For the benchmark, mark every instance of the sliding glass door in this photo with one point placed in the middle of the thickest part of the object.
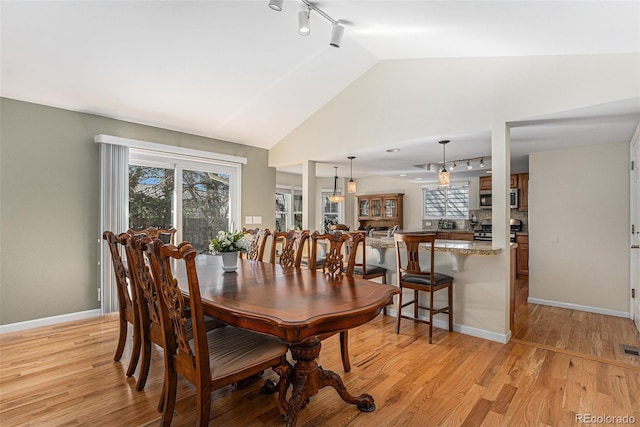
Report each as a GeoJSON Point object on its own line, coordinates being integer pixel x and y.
{"type": "Point", "coordinates": [205, 206]}
{"type": "Point", "coordinates": [196, 198]}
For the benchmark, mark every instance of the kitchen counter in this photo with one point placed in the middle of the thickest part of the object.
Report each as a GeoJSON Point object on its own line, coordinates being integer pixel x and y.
{"type": "Point", "coordinates": [460, 247]}
{"type": "Point", "coordinates": [482, 282]}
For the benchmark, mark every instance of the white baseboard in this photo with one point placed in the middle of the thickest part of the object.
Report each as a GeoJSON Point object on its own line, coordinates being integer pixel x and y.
{"type": "Point", "coordinates": [578, 307]}
{"type": "Point", "coordinates": [46, 321]}
{"type": "Point", "coordinates": [463, 329]}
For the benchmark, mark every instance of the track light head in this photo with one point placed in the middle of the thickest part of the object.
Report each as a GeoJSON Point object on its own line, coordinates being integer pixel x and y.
{"type": "Point", "coordinates": [276, 5]}
{"type": "Point", "coordinates": [336, 35]}
{"type": "Point", "coordinates": [481, 163]}
{"type": "Point", "coordinates": [469, 167]}
{"type": "Point", "coordinates": [304, 29]}
{"type": "Point", "coordinates": [453, 166]}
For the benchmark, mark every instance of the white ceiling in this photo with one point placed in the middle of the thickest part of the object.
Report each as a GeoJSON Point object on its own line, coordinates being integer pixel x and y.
{"type": "Point", "coordinates": [238, 71]}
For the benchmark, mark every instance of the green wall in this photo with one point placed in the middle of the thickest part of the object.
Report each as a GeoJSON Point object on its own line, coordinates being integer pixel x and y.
{"type": "Point", "coordinates": [49, 201]}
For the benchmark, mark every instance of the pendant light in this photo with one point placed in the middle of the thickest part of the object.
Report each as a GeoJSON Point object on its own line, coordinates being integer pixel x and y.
{"type": "Point", "coordinates": [444, 179]}
{"type": "Point", "coordinates": [335, 197]}
{"type": "Point", "coordinates": [351, 186]}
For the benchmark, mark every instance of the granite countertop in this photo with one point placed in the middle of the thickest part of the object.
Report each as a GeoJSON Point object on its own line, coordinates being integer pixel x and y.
{"type": "Point", "coordinates": [460, 247]}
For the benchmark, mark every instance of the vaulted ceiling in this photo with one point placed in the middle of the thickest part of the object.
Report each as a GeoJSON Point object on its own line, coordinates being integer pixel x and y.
{"type": "Point", "coordinates": [239, 71]}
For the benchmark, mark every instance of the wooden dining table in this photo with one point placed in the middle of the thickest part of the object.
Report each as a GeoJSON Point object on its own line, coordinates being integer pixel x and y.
{"type": "Point", "coordinates": [295, 305]}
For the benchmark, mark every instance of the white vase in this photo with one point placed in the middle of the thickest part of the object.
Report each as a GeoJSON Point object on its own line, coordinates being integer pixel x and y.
{"type": "Point", "coordinates": [229, 261]}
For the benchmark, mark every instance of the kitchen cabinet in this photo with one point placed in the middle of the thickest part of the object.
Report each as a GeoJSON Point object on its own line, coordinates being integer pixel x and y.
{"type": "Point", "coordinates": [524, 191]}
{"type": "Point", "coordinates": [520, 181]}
{"type": "Point", "coordinates": [522, 256]}
{"type": "Point", "coordinates": [446, 235]}
{"type": "Point", "coordinates": [382, 211]}
{"type": "Point", "coordinates": [513, 182]}
{"type": "Point", "coordinates": [485, 181]}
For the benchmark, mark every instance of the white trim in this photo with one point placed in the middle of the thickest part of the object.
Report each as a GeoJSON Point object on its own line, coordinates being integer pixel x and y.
{"type": "Point", "coordinates": [579, 307]}
{"type": "Point", "coordinates": [163, 148]}
{"type": "Point", "coordinates": [47, 321]}
{"type": "Point", "coordinates": [463, 329]}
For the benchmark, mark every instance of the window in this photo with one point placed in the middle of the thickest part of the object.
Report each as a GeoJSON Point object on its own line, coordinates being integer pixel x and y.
{"type": "Point", "coordinates": [446, 202]}
{"type": "Point", "coordinates": [194, 195]}
{"type": "Point", "coordinates": [330, 211]}
{"type": "Point", "coordinates": [288, 208]}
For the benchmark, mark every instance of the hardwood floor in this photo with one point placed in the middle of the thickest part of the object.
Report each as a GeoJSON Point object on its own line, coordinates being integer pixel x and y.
{"type": "Point", "coordinates": [560, 363]}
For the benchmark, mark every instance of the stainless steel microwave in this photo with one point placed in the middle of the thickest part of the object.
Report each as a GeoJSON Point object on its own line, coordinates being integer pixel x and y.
{"type": "Point", "coordinates": [486, 203]}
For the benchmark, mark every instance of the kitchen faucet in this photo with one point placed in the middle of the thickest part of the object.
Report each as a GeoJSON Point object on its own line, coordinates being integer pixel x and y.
{"type": "Point", "coordinates": [392, 230]}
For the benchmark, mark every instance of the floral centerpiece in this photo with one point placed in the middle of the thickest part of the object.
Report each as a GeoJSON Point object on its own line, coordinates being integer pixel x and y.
{"type": "Point", "coordinates": [229, 241]}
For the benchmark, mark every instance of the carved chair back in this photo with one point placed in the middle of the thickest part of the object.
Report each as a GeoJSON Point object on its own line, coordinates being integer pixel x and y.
{"type": "Point", "coordinates": [292, 245]}
{"type": "Point", "coordinates": [127, 299]}
{"type": "Point", "coordinates": [259, 242]}
{"type": "Point", "coordinates": [338, 227]}
{"type": "Point", "coordinates": [166, 236]}
{"type": "Point", "coordinates": [341, 247]}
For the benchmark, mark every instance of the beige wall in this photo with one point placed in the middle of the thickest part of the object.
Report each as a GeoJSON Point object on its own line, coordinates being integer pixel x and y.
{"type": "Point", "coordinates": [408, 99]}
{"type": "Point", "coordinates": [49, 203]}
{"type": "Point", "coordinates": [579, 225]}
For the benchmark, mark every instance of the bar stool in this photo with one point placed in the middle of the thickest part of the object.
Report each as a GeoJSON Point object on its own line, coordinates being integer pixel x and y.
{"type": "Point", "coordinates": [413, 277]}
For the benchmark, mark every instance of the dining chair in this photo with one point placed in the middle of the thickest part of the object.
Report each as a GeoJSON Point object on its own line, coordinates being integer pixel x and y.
{"type": "Point", "coordinates": [127, 301]}
{"type": "Point", "coordinates": [149, 307]}
{"type": "Point", "coordinates": [338, 227]}
{"type": "Point", "coordinates": [413, 277]}
{"type": "Point", "coordinates": [341, 246]}
{"type": "Point", "coordinates": [368, 271]}
{"type": "Point", "coordinates": [259, 242]}
{"type": "Point", "coordinates": [210, 360]}
{"type": "Point", "coordinates": [292, 247]}
{"type": "Point", "coordinates": [166, 236]}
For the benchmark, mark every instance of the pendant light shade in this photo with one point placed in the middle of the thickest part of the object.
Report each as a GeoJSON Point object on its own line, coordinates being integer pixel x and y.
{"type": "Point", "coordinates": [351, 186]}
{"type": "Point", "coordinates": [335, 197]}
{"type": "Point", "coordinates": [444, 178]}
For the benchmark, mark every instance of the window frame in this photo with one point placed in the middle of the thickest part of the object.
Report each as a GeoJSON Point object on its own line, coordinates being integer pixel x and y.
{"type": "Point", "coordinates": [324, 194]}
{"type": "Point", "coordinates": [428, 188]}
{"type": "Point", "coordinates": [179, 163]}
{"type": "Point", "coordinates": [291, 191]}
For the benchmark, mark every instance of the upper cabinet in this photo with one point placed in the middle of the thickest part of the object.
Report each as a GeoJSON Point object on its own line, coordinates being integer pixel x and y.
{"type": "Point", "coordinates": [524, 191]}
{"type": "Point", "coordinates": [485, 182]}
{"type": "Point", "coordinates": [380, 210]}
{"type": "Point", "coordinates": [520, 181]}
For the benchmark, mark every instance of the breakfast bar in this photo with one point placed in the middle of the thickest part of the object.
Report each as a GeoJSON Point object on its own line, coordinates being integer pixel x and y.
{"type": "Point", "coordinates": [483, 305]}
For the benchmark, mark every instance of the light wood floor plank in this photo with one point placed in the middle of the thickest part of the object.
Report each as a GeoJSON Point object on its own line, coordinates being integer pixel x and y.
{"type": "Point", "coordinates": [560, 363]}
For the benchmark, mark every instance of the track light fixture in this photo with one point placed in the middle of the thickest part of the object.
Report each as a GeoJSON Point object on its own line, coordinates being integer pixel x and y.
{"type": "Point", "coordinates": [336, 35]}
{"type": "Point", "coordinates": [481, 163]}
{"type": "Point", "coordinates": [276, 5]}
{"type": "Point", "coordinates": [469, 167]}
{"type": "Point", "coordinates": [351, 185]}
{"type": "Point", "coordinates": [304, 27]}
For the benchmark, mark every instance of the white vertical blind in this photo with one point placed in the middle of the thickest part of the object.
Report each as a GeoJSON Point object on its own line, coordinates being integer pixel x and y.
{"type": "Point", "coordinates": [114, 214]}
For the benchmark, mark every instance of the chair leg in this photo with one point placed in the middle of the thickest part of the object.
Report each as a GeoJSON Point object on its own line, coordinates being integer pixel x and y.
{"type": "Point", "coordinates": [203, 398]}
{"type": "Point", "coordinates": [162, 398]}
{"type": "Point", "coordinates": [451, 307]}
{"type": "Point", "coordinates": [135, 352]}
{"type": "Point", "coordinates": [122, 339]}
{"type": "Point", "coordinates": [170, 391]}
{"type": "Point", "coordinates": [399, 314]}
{"type": "Point", "coordinates": [146, 361]}
{"type": "Point", "coordinates": [384, 282]}
{"type": "Point", "coordinates": [430, 316]}
{"type": "Point", "coordinates": [344, 350]}
{"type": "Point", "coordinates": [415, 303]}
